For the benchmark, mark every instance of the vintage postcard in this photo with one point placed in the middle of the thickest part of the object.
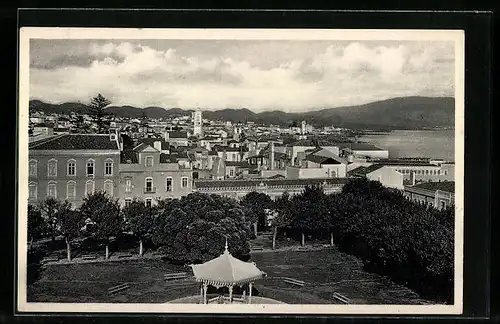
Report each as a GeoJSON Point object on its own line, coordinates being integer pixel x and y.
{"type": "Point", "coordinates": [240, 171]}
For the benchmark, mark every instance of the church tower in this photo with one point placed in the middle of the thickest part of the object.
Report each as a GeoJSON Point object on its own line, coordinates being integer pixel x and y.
{"type": "Point", "coordinates": [197, 123]}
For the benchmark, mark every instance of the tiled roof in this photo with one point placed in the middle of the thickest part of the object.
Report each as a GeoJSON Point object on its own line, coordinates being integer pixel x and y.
{"type": "Point", "coordinates": [168, 158]}
{"type": "Point", "coordinates": [177, 134]}
{"type": "Point", "coordinates": [322, 159]}
{"type": "Point", "coordinates": [362, 171]}
{"type": "Point", "coordinates": [269, 182]}
{"type": "Point", "coordinates": [241, 164]}
{"type": "Point", "coordinates": [448, 186]}
{"type": "Point", "coordinates": [150, 141]}
{"type": "Point", "coordinates": [76, 142]}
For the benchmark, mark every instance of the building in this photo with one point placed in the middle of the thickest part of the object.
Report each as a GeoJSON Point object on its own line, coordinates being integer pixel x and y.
{"type": "Point", "coordinates": [197, 123]}
{"type": "Point", "coordinates": [314, 166]}
{"type": "Point", "coordinates": [70, 166]}
{"type": "Point", "coordinates": [440, 195]}
{"type": "Point", "coordinates": [236, 169]}
{"type": "Point", "coordinates": [352, 150]}
{"type": "Point", "coordinates": [147, 173]}
{"type": "Point", "coordinates": [273, 187]}
{"type": "Point", "coordinates": [176, 138]}
{"type": "Point", "coordinates": [387, 176]}
{"type": "Point", "coordinates": [416, 171]}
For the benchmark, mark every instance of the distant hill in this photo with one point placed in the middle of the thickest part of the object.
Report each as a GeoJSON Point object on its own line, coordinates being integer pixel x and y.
{"type": "Point", "coordinates": [396, 113]}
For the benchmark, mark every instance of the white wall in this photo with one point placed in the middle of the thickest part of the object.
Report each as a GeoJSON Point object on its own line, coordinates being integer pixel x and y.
{"type": "Point", "coordinates": [387, 177]}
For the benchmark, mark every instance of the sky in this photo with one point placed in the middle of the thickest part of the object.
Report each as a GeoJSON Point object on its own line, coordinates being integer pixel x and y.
{"type": "Point", "coordinates": [292, 76]}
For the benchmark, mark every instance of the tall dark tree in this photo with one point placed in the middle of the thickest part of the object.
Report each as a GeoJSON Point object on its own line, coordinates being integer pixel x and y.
{"type": "Point", "coordinates": [97, 106]}
{"type": "Point", "coordinates": [70, 223]}
{"type": "Point", "coordinates": [48, 209]}
{"type": "Point", "coordinates": [139, 219]}
{"type": "Point", "coordinates": [36, 224]}
{"type": "Point", "coordinates": [311, 213]}
{"type": "Point", "coordinates": [283, 214]}
{"type": "Point", "coordinates": [255, 204]}
{"type": "Point", "coordinates": [105, 212]}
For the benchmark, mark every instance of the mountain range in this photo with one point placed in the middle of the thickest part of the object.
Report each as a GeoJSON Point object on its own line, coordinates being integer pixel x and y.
{"type": "Point", "coordinates": [395, 113]}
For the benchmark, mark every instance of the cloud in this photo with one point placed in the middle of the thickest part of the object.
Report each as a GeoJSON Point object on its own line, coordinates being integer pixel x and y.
{"type": "Point", "coordinates": [340, 74]}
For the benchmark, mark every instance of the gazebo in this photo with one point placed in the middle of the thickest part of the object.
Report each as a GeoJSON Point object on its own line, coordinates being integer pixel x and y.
{"type": "Point", "coordinates": [226, 271]}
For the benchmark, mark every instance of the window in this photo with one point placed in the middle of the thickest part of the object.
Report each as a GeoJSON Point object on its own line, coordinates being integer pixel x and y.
{"type": "Point", "coordinates": [439, 172]}
{"type": "Point", "coordinates": [108, 187]}
{"type": "Point", "coordinates": [71, 190]}
{"type": "Point", "coordinates": [149, 161]}
{"type": "Point", "coordinates": [52, 190]}
{"type": "Point", "coordinates": [89, 187]}
{"type": "Point", "coordinates": [169, 184]}
{"type": "Point", "coordinates": [231, 172]}
{"type": "Point", "coordinates": [128, 185]}
{"type": "Point", "coordinates": [184, 182]}
{"type": "Point", "coordinates": [149, 185]}
{"type": "Point", "coordinates": [148, 202]}
{"type": "Point", "coordinates": [90, 168]}
{"type": "Point", "coordinates": [71, 167]}
{"type": "Point", "coordinates": [33, 190]}
{"type": "Point", "coordinates": [445, 172]}
{"type": "Point", "coordinates": [108, 168]}
{"type": "Point", "coordinates": [33, 168]}
{"type": "Point", "coordinates": [52, 168]}
{"type": "Point", "coordinates": [426, 172]}
{"type": "Point", "coordinates": [128, 201]}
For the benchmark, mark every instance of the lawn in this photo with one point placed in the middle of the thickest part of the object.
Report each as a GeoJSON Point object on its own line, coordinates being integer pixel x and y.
{"type": "Point", "coordinates": [324, 273]}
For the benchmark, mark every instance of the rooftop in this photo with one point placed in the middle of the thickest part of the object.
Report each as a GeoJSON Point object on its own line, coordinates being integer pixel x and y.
{"type": "Point", "coordinates": [448, 186]}
{"type": "Point", "coordinates": [362, 171]}
{"type": "Point", "coordinates": [242, 164]}
{"type": "Point", "coordinates": [76, 142]}
{"type": "Point", "coordinates": [269, 182]}
{"type": "Point", "coordinates": [322, 159]}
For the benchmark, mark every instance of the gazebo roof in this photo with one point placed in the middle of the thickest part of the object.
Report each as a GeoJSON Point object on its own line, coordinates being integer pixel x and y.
{"type": "Point", "coordinates": [226, 270]}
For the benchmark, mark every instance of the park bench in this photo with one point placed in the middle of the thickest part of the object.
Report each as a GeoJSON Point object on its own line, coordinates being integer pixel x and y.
{"type": "Point", "coordinates": [89, 257]}
{"type": "Point", "coordinates": [125, 255]}
{"type": "Point", "coordinates": [50, 259]}
{"type": "Point", "coordinates": [341, 298]}
{"type": "Point", "coordinates": [173, 276]}
{"type": "Point", "coordinates": [119, 288]}
{"type": "Point", "coordinates": [294, 282]}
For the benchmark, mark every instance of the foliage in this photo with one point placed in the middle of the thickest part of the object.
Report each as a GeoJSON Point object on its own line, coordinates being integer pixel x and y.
{"type": "Point", "coordinates": [36, 223]}
{"type": "Point", "coordinates": [34, 264]}
{"type": "Point", "coordinates": [138, 218]}
{"type": "Point", "coordinates": [255, 204]}
{"type": "Point", "coordinates": [48, 209]}
{"type": "Point", "coordinates": [69, 221]}
{"type": "Point", "coordinates": [105, 212]}
{"type": "Point", "coordinates": [193, 229]}
{"type": "Point", "coordinates": [96, 110]}
{"type": "Point", "coordinates": [309, 210]}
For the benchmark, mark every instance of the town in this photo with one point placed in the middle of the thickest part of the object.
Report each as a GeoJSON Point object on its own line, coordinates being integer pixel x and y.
{"type": "Point", "coordinates": [186, 188]}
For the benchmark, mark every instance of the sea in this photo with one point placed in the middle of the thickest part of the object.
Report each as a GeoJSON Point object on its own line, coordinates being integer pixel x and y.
{"type": "Point", "coordinates": [437, 144]}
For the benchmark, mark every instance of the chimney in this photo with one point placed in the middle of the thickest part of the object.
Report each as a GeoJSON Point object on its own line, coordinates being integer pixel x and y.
{"type": "Point", "coordinates": [157, 145]}
{"type": "Point", "coordinates": [271, 156]}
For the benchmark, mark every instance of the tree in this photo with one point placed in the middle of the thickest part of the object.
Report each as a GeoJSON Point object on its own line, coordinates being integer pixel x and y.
{"type": "Point", "coordinates": [139, 219]}
{"type": "Point", "coordinates": [79, 123]}
{"type": "Point", "coordinates": [283, 215]}
{"type": "Point", "coordinates": [255, 204]}
{"type": "Point", "coordinates": [193, 228]}
{"type": "Point", "coordinates": [310, 212]}
{"type": "Point", "coordinates": [97, 105]}
{"type": "Point", "coordinates": [48, 209]}
{"type": "Point", "coordinates": [70, 223]}
{"type": "Point", "coordinates": [105, 212]}
{"type": "Point", "coordinates": [36, 224]}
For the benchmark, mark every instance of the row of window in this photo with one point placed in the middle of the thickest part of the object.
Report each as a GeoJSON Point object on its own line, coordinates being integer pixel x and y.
{"type": "Point", "coordinates": [423, 172]}
{"type": "Point", "coordinates": [70, 168]}
{"type": "Point", "coordinates": [70, 189]}
{"type": "Point", "coordinates": [148, 184]}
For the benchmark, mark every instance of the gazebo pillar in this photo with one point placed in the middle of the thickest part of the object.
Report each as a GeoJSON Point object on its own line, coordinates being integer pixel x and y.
{"type": "Point", "coordinates": [250, 292]}
{"type": "Point", "coordinates": [201, 294]}
{"type": "Point", "coordinates": [230, 293]}
{"type": "Point", "coordinates": [205, 292]}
